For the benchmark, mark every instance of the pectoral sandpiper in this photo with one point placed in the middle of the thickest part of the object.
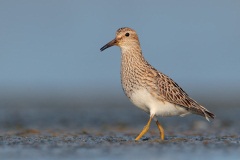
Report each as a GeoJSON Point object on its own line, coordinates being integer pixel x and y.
{"type": "Point", "coordinates": [149, 89]}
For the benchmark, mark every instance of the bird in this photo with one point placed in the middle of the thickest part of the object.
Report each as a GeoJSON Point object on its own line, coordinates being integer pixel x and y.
{"type": "Point", "coordinates": [149, 89]}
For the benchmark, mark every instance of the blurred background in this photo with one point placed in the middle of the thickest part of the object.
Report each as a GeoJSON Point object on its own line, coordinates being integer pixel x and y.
{"type": "Point", "coordinates": [50, 53]}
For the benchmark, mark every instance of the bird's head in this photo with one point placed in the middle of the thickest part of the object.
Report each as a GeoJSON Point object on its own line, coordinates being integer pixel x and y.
{"type": "Point", "coordinates": [125, 38]}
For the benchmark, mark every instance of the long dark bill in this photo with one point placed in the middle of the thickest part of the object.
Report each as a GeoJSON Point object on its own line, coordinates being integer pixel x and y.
{"type": "Point", "coordinates": [109, 44]}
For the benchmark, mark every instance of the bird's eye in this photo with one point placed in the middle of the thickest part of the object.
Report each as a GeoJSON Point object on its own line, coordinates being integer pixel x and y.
{"type": "Point", "coordinates": [127, 34]}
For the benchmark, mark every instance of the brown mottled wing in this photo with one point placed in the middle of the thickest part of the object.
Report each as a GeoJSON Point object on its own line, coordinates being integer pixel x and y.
{"type": "Point", "coordinates": [171, 92]}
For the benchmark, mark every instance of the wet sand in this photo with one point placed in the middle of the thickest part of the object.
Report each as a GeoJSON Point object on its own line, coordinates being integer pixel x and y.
{"type": "Point", "coordinates": [74, 128]}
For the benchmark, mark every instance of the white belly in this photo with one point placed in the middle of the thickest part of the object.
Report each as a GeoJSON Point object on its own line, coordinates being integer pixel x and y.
{"type": "Point", "coordinates": [144, 100]}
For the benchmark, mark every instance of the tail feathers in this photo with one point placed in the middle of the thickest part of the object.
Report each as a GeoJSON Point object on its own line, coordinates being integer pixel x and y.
{"type": "Point", "coordinates": [200, 110]}
{"type": "Point", "coordinates": [208, 115]}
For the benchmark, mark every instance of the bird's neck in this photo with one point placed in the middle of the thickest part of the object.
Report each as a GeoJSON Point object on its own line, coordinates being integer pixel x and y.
{"type": "Point", "coordinates": [132, 61]}
{"type": "Point", "coordinates": [132, 56]}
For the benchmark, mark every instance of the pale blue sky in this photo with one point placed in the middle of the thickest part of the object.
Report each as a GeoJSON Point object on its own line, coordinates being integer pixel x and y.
{"type": "Point", "coordinates": [55, 43]}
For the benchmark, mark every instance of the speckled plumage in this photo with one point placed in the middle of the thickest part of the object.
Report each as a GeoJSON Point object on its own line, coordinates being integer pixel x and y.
{"type": "Point", "coordinates": [147, 88]}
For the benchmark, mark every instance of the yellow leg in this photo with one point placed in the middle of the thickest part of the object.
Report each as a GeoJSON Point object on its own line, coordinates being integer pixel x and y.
{"type": "Point", "coordinates": [161, 130]}
{"type": "Point", "coordinates": [145, 129]}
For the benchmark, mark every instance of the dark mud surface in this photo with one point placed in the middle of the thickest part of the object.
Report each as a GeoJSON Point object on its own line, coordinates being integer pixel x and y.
{"type": "Point", "coordinates": [78, 129]}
